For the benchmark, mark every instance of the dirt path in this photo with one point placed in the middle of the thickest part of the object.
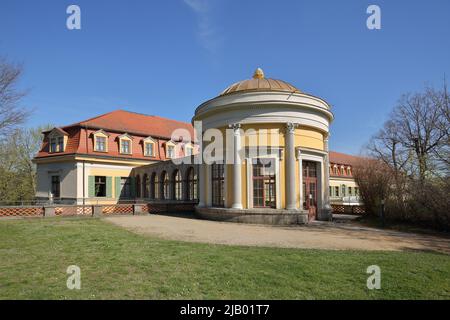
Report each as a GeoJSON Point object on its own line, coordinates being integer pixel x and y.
{"type": "Point", "coordinates": [316, 235]}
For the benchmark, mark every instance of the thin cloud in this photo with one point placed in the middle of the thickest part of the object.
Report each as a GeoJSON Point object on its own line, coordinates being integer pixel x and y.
{"type": "Point", "coordinates": [206, 32]}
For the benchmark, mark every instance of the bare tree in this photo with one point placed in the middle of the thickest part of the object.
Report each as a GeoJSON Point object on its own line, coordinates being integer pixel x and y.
{"type": "Point", "coordinates": [12, 113]}
{"type": "Point", "coordinates": [414, 148]}
{"type": "Point", "coordinates": [374, 179]}
{"type": "Point", "coordinates": [420, 123]}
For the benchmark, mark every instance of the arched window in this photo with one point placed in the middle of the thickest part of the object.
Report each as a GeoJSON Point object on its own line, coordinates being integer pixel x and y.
{"type": "Point", "coordinates": [177, 185]}
{"type": "Point", "coordinates": [191, 183]}
{"type": "Point", "coordinates": [138, 186]}
{"type": "Point", "coordinates": [145, 183]}
{"type": "Point", "coordinates": [165, 186]}
{"type": "Point", "coordinates": [217, 184]}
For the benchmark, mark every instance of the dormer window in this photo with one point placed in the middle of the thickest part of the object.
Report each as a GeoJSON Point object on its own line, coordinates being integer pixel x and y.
{"type": "Point", "coordinates": [53, 145]}
{"type": "Point", "coordinates": [149, 147]}
{"type": "Point", "coordinates": [100, 141]}
{"type": "Point", "coordinates": [125, 143]}
{"type": "Point", "coordinates": [170, 149]}
{"type": "Point", "coordinates": [57, 140]}
{"type": "Point", "coordinates": [60, 144]}
{"type": "Point", "coordinates": [100, 144]}
{"type": "Point", "coordinates": [188, 150]}
{"type": "Point", "coordinates": [125, 146]}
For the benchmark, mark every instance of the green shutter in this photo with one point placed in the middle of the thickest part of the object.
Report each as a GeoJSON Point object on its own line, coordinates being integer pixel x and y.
{"type": "Point", "coordinates": [117, 187]}
{"type": "Point", "coordinates": [91, 186]}
{"type": "Point", "coordinates": [133, 187]}
{"type": "Point", "coordinates": [109, 187]}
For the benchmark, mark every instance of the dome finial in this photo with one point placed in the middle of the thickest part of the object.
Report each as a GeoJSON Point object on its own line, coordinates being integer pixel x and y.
{"type": "Point", "coordinates": [259, 74]}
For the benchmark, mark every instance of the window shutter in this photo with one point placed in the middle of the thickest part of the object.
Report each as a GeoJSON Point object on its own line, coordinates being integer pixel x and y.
{"type": "Point", "coordinates": [117, 187]}
{"type": "Point", "coordinates": [133, 187]}
{"type": "Point", "coordinates": [91, 186]}
{"type": "Point", "coordinates": [109, 187]}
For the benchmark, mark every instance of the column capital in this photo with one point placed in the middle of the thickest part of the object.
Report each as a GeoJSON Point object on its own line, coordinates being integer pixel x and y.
{"type": "Point", "coordinates": [290, 127]}
{"type": "Point", "coordinates": [236, 127]}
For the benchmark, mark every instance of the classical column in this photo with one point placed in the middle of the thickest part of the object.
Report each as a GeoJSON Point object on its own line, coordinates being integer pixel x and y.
{"type": "Point", "coordinates": [300, 170]}
{"type": "Point", "coordinates": [202, 185]}
{"type": "Point", "coordinates": [326, 191]}
{"type": "Point", "coordinates": [290, 166]}
{"type": "Point", "coordinates": [237, 165]}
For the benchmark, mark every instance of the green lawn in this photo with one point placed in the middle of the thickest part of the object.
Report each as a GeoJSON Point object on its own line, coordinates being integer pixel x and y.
{"type": "Point", "coordinates": [115, 264]}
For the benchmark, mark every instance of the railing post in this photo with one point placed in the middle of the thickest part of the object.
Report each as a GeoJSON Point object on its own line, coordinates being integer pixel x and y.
{"type": "Point", "coordinates": [97, 210]}
{"type": "Point", "coordinates": [137, 209]}
{"type": "Point", "coordinates": [49, 211]}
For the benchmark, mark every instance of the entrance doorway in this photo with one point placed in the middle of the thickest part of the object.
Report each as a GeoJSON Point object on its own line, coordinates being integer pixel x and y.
{"type": "Point", "coordinates": [310, 188]}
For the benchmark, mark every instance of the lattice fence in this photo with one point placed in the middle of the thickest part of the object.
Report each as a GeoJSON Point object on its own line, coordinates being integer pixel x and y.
{"type": "Point", "coordinates": [73, 211]}
{"type": "Point", "coordinates": [345, 209]}
{"type": "Point", "coordinates": [21, 211]}
{"type": "Point", "coordinates": [118, 209]}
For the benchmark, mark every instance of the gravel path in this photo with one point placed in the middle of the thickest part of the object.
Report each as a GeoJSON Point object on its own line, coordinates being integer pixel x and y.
{"type": "Point", "coordinates": [317, 235]}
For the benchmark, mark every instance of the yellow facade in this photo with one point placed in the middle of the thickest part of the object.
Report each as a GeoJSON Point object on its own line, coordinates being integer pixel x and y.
{"type": "Point", "coordinates": [271, 135]}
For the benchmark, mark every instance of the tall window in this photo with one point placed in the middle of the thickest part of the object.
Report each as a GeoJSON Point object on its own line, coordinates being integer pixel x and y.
{"type": "Point", "coordinates": [336, 191]}
{"type": "Point", "coordinates": [165, 186]}
{"type": "Point", "coordinates": [138, 186]}
{"type": "Point", "coordinates": [100, 144]}
{"type": "Point", "coordinates": [100, 186]}
{"type": "Point", "coordinates": [343, 190]}
{"type": "Point", "coordinates": [53, 145]}
{"type": "Point", "coordinates": [60, 144]}
{"type": "Point", "coordinates": [309, 169]}
{"type": "Point", "coordinates": [125, 187]}
{"type": "Point", "coordinates": [125, 146]}
{"type": "Point", "coordinates": [349, 191]}
{"type": "Point", "coordinates": [177, 185]}
{"type": "Point", "coordinates": [191, 184]}
{"type": "Point", "coordinates": [145, 185]}
{"type": "Point", "coordinates": [149, 146]}
{"type": "Point", "coordinates": [264, 191]}
{"type": "Point", "coordinates": [155, 186]}
{"type": "Point", "coordinates": [217, 185]}
{"type": "Point", "coordinates": [171, 152]}
{"type": "Point", "coordinates": [56, 186]}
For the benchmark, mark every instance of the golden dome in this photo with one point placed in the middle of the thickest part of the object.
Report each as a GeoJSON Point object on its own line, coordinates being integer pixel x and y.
{"type": "Point", "coordinates": [260, 83]}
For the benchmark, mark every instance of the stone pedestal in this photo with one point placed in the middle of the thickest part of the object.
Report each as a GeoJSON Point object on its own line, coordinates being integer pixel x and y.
{"type": "Point", "coordinates": [49, 211]}
{"type": "Point", "coordinates": [97, 210]}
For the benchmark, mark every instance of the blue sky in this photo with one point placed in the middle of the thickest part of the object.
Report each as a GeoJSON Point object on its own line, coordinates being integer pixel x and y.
{"type": "Point", "coordinates": [166, 57]}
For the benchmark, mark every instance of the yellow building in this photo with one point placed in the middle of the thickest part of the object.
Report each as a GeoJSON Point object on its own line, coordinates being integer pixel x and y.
{"type": "Point", "coordinates": [275, 160]}
{"type": "Point", "coordinates": [258, 153]}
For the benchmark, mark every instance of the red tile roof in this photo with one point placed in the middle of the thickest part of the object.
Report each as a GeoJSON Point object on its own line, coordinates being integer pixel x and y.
{"type": "Point", "coordinates": [137, 123]}
{"type": "Point", "coordinates": [118, 122]}
{"type": "Point", "coordinates": [342, 158]}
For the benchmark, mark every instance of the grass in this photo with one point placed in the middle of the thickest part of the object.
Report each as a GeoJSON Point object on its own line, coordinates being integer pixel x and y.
{"type": "Point", "coordinates": [118, 264]}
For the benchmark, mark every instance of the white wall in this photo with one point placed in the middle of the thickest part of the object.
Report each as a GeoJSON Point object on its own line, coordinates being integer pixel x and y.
{"type": "Point", "coordinates": [67, 172]}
